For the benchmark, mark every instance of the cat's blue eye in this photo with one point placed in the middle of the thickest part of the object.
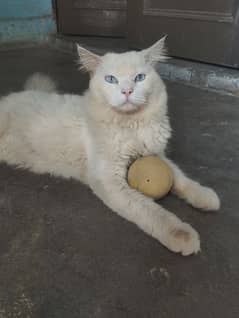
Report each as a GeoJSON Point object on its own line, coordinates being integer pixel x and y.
{"type": "Point", "coordinates": [111, 79]}
{"type": "Point", "coordinates": [140, 77]}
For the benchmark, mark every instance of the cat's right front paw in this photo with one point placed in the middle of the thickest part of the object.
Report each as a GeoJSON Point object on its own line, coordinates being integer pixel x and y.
{"type": "Point", "coordinates": [182, 238]}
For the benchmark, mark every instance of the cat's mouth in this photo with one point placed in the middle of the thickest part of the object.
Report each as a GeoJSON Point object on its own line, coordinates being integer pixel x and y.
{"type": "Point", "coordinates": [129, 108]}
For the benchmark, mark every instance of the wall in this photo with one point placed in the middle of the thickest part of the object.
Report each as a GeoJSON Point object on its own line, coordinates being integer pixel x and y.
{"type": "Point", "coordinates": [25, 20]}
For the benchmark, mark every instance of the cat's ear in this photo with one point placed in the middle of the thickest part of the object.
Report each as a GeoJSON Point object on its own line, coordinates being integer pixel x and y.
{"type": "Point", "coordinates": [157, 52]}
{"type": "Point", "coordinates": [88, 60]}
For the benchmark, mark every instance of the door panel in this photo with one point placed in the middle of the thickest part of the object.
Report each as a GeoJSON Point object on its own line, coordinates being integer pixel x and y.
{"type": "Point", "coordinates": [92, 17]}
{"type": "Point", "coordinates": [205, 30]}
{"type": "Point", "coordinates": [216, 6]}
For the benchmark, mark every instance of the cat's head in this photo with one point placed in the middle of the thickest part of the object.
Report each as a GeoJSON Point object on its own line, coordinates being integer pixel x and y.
{"type": "Point", "coordinates": [123, 81]}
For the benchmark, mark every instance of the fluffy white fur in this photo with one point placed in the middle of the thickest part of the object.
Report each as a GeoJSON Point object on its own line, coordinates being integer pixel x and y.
{"type": "Point", "coordinates": [40, 82]}
{"type": "Point", "coordinates": [94, 138]}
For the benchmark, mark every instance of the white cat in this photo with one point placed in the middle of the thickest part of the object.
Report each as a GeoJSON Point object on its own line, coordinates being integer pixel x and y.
{"type": "Point", "coordinates": [94, 137]}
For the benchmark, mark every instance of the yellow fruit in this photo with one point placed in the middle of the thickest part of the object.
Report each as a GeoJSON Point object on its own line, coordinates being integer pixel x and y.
{"type": "Point", "coordinates": [151, 176]}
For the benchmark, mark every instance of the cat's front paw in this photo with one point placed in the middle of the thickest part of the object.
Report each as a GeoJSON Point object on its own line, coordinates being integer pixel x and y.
{"type": "Point", "coordinates": [182, 238]}
{"type": "Point", "coordinates": [203, 198]}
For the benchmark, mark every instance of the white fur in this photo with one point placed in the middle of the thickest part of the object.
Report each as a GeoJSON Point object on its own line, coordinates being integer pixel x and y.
{"type": "Point", "coordinates": [94, 138]}
{"type": "Point", "coordinates": [40, 82]}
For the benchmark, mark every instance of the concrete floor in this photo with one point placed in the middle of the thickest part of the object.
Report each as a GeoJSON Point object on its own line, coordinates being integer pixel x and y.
{"type": "Point", "coordinates": [64, 254]}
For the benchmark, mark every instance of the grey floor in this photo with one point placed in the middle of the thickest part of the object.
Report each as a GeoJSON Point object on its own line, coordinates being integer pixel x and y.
{"type": "Point", "coordinates": [64, 254]}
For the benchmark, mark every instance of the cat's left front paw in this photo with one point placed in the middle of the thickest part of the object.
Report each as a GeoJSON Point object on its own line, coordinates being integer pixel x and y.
{"type": "Point", "coordinates": [203, 198]}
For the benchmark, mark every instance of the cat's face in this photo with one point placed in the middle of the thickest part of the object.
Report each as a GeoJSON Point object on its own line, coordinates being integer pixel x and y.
{"type": "Point", "coordinates": [123, 81]}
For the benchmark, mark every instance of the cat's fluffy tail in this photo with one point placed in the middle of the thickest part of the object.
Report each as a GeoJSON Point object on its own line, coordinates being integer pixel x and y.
{"type": "Point", "coordinates": [40, 82]}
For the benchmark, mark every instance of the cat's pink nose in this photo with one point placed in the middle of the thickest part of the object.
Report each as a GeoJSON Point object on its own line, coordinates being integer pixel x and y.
{"type": "Point", "coordinates": [127, 91]}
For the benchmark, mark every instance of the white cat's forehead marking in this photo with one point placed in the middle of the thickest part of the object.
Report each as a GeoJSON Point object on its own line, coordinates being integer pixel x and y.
{"type": "Point", "coordinates": [123, 64]}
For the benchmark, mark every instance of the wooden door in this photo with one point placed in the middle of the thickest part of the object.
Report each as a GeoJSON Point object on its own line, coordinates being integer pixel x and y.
{"type": "Point", "coordinates": [205, 30]}
{"type": "Point", "coordinates": [92, 17]}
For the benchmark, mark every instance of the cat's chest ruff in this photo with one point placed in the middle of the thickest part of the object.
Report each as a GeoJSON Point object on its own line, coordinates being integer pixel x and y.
{"type": "Point", "coordinates": [141, 141]}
